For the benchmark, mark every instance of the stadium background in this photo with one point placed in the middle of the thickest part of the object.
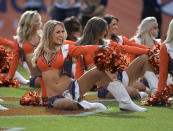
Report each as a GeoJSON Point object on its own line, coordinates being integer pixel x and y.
{"type": "Point", "coordinates": [128, 12]}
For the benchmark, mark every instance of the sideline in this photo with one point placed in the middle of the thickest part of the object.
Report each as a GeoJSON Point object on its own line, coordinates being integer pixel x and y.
{"type": "Point", "coordinates": [80, 114]}
{"type": "Point", "coordinates": [11, 129]}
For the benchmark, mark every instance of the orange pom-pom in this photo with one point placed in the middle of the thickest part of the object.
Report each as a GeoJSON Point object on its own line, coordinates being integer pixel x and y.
{"type": "Point", "coordinates": [5, 58]}
{"type": "Point", "coordinates": [111, 59]}
{"type": "Point", "coordinates": [5, 81]}
{"type": "Point", "coordinates": [159, 99]}
{"type": "Point", "coordinates": [154, 58]}
{"type": "Point", "coordinates": [31, 98]}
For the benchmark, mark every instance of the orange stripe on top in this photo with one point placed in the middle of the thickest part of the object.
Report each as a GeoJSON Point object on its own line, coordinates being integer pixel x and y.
{"type": "Point", "coordinates": [55, 63]}
{"type": "Point", "coordinates": [27, 48]}
{"type": "Point", "coordinates": [58, 60]}
{"type": "Point", "coordinates": [163, 72]}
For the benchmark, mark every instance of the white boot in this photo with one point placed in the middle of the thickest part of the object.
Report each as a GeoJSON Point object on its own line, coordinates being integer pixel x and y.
{"type": "Point", "coordinates": [120, 93]}
{"type": "Point", "coordinates": [125, 79]}
{"type": "Point", "coordinates": [20, 78]}
{"type": "Point", "coordinates": [3, 108]}
{"type": "Point", "coordinates": [152, 81]}
{"type": "Point", "coordinates": [89, 105]}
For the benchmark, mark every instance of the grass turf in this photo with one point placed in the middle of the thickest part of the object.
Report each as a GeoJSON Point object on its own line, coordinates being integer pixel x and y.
{"type": "Point", "coordinates": [155, 119]}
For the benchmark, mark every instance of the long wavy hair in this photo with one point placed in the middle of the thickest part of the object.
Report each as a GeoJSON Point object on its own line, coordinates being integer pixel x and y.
{"type": "Point", "coordinates": [93, 29]}
{"type": "Point", "coordinates": [26, 25]}
{"type": "Point", "coordinates": [144, 29]}
{"type": "Point", "coordinates": [109, 19]}
{"type": "Point", "coordinates": [47, 40]}
{"type": "Point", "coordinates": [169, 38]}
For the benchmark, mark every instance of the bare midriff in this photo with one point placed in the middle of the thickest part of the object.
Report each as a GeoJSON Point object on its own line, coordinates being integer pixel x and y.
{"type": "Point", "coordinates": [55, 83]}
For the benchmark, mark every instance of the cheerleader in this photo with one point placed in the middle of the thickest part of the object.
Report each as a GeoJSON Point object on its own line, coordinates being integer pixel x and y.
{"type": "Point", "coordinates": [63, 92]}
{"type": "Point", "coordinates": [120, 39]}
{"type": "Point", "coordinates": [17, 75]}
{"type": "Point", "coordinates": [94, 33]}
{"type": "Point", "coordinates": [164, 89]}
{"type": "Point", "coordinates": [146, 34]}
{"type": "Point", "coordinates": [26, 40]}
{"type": "Point", "coordinates": [166, 59]}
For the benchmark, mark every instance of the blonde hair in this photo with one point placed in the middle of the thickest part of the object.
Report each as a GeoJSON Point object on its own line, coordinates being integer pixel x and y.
{"type": "Point", "coordinates": [47, 40]}
{"type": "Point", "coordinates": [169, 38]}
{"type": "Point", "coordinates": [143, 31]}
{"type": "Point", "coordinates": [26, 25]}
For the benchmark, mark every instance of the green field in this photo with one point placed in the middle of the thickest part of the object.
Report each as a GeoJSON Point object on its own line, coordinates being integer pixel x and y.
{"type": "Point", "coordinates": [155, 119]}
